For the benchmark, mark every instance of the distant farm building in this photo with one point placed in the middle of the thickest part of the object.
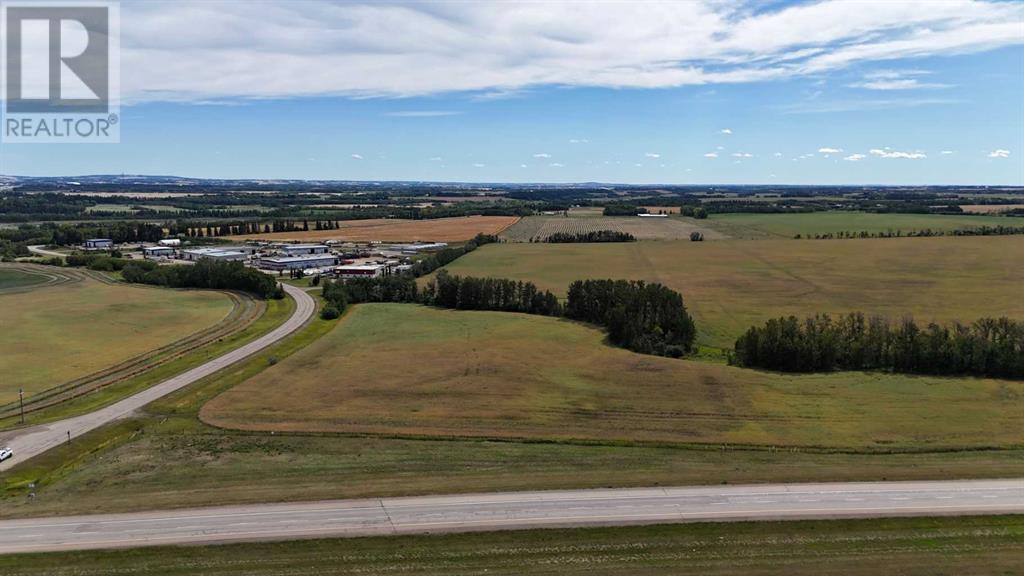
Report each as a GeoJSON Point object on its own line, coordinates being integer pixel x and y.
{"type": "Point", "coordinates": [419, 247]}
{"type": "Point", "coordinates": [653, 215]}
{"type": "Point", "coordinates": [222, 254]}
{"type": "Point", "coordinates": [157, 252]}
{"type": "Point", "coordinates": [360, 271]}
{"type": "Point", "coordinates": [303, 249]}
{"type": "Point", "coordinates": [170, 242]}
{"type": "Point", "coordinates": [98, 244]}
{"type": "Point", "coordinates": [279, 263]}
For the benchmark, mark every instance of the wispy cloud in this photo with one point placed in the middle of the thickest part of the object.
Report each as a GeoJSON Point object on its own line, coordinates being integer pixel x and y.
{"type": "Point", "coordinates": [897, 80]}
{"type": "Point", "coordinates": [855, 157]}
{"type": "Point", "coordinates": [357, 156]}
{"type": "Point", "coordinates": [742, 155]}
{"type": "Point", "coordinates": [542, 155]}
{"type": "Point", "coordinates": [889, 153]}
{"type": "Point", "coordinates": [578, 141]}
{"type": "Point", "coordinates": [725, 131]}
{"type": "Point", "coordinates": [652, 155]}
{"type": "Point", "coordinates": [1000, 153]}
{"type": "Point", "coordinates": [829, 150]}
{"type": "Point", "coordinates": [711, 155]}
{"type": "Point", "coordinates": [196, 50]}
{"type": "Point", "coordinates": [556, 165]}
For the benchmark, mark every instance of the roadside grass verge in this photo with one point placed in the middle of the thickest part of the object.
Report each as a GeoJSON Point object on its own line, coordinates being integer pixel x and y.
{"type": "Point", "coordinates": [907, 546]}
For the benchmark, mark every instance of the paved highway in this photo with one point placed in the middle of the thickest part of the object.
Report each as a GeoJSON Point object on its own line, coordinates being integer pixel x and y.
{"type": "Point", "coordinates": [29, 442]}
{"type": "Point", "coordinates": [569, 508]}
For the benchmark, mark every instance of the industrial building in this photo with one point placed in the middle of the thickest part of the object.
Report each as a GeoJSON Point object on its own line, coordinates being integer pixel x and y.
{"type": "Point", "coordinates": [98, 244]}
{"type": "Point", "coordinates": [419, 247]}
{"type": "Point", "coordinates": [297, 262]}
{"type": "Point", "coordinates": [303, 249]}
{"type": "Point", "coordinates": [360, 271]}
{"type": "Point", "coordinates": [170, 242]}
{"type": "Point", "coordinates": [222, 254]}
{"type": "Point", "coordinates": [157, 252]}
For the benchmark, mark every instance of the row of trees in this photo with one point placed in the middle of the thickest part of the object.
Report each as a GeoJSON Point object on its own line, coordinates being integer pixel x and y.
{"type": "Point", "coordinates": [206, 273]}
{"type": "Point", "coordinates": [988, 347]}
{"type": "Point", "coordinates": [645, 318]}
{"type": "Point", "coordinates": [595, 236]}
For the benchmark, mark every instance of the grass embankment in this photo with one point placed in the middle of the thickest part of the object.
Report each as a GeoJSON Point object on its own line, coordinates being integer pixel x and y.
{"type": "Point", "coordinates": [730, 286]}
{"type": "Point", "coordinates": [752, 226]}
{"type": "Point", "coordinates": [56, 334]}
{"type": "Point", "coordinates": [276, 312]}
{"type": "Point", "coordinates": [934, 547]}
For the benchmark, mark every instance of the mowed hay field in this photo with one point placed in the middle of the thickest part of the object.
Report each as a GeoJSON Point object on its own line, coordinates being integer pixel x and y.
{"type": "Point", "coordinates": [13, 279]}
{"type": "Point", "coordinates": [540, 227]}
{"type": "Point", "coordinates": [740, 225]}
{"type": "Point", "coordinates": [731, 285]}
{"type": "Point", "coordinates": [433, 230]}
{"type": "Point", "coordinates": [412, 370]}
{"type": "Point", "coordinates": [55, 334]}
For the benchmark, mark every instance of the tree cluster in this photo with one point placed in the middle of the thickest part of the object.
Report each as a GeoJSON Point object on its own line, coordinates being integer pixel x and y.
{"type": "Point", "coordinates": [595, 236]}
{"type": "Point", "coordinates": [206, 273]}
{"type": "Point", "coordinates": [623, 210]}
{"type": "Point", "coordinates": [988, 347]}
{"type": "Point", "coordinates": [471, 293]}
{"type": "Point", "coordinates": [999, 230]}
{"type": "Point", "coordinates": [645, 318]}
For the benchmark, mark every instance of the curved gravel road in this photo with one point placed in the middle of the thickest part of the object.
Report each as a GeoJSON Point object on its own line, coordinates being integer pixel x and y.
{"type": "Point", "coordinates": [512, 510]}
{"type": "Point", "coordinates": [29, 442]}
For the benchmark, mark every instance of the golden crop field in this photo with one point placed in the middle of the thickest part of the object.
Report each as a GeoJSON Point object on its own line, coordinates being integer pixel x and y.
{"type": "Point", "coordinates": [410, 369]}
{"type": "Point", "coordinates": [393, 230]}
{"type": "Point", "coordinates": [732, 285]}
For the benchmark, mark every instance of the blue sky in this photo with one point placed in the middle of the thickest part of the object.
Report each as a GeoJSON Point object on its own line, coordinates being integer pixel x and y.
{"type": "Point", "coordinates": [800, 93]}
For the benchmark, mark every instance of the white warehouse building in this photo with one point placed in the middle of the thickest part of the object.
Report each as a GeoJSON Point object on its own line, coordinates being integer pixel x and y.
{"type": "Point", "coordinates": [278, 263]}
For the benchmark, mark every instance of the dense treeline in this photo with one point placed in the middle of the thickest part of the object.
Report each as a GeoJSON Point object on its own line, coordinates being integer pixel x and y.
{"type": "Point", "coordinates": [646, 318]}
{"type": "Point", "coordinates": [623, 210]}
{"type": "Point", "coordinates": [595, 236]}
{"type": "Point", "coordinates": [988, 347]}
{"type": "Point", "coordinates": [449, 255]}
{"type": "Point", "coordinates": [470, 293]}
{"type": "Point", "coordinates": [206, 273]}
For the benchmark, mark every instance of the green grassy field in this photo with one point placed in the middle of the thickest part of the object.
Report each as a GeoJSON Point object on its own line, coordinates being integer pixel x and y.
{"type": "Point", "coordinates": [732, 285]}
{"type": "Point", "coordinates": [125, 467]}
{"type": "Point", "coordinates": [789, 225]}
{"type": "Point", "coordinates": [56, 334]}
{"type": "Point", "coordinates": [11, 279]}
{"type": "Point", "coordinates": [934, 547]}
{"type": "Point", "coordinates": [414, 370]}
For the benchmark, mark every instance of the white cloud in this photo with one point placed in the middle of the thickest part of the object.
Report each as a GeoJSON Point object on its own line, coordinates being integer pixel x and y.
{"type": "Point", "coordinates": [829, 150]}
{"type": "Point", "coordinates": [652, 155]}
{"type": "Point", "coordinates": [522, 165]}
{"type": "Point", "coordinates": [711, 155]}
{"type": "Point", "coordinates": [578, 141]}
{"type": "Point", "coordinates": [719, 147]}
{"type": "Point", "coordinates": [887, 153]}
{"type": "Point", "coordinates": [479, 165]}
{"type": "Point", "coordinates": [1000, 153]}
{"type": "Point", "coordinates": [556, 165]}
{"type": "Point", "coordinates": [202, 51]}
{"type": "Point", "coordinates": [725, 131]}
{"type": "Point", "coordinates": [357, 156]}
{"type": "Point", "coordinates": [542, 155]}
{"type": "Point", "coordinates": [896, 80]}
{"type": "Point", "coordinates": [777, 154]}
{"type": "Point", "coordinates": [946, 152]}
{"type": "Point", "coordinates": [855, 157]}
{"type": "Point", "coordinates": [742, 155]}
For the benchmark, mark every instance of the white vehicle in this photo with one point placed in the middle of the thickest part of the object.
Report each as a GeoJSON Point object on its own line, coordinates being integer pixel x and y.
{"type": "Point", "coordinates": [5, 453]}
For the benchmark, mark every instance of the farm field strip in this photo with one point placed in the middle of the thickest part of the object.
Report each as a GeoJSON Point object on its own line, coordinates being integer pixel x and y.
{"type": "Point", "coordinates": [732, 285]}
{"type": "Point", "coordinates": [471, 380]}
{"type": "Point", "coordinates": [538, 228]}
{"type": "Point", "coordinates": [62, 332]}
{"type": "Point", "coordinates": [432, 230]}
{"type": "Point", "coordinates": [741, 225]}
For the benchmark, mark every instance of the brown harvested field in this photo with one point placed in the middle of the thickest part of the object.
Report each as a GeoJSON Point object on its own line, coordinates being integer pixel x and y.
{"type": "Point", "coordinates": [393, 230]}
{"type": "Point", "coordinates": [410, 369]}
{"type": "Point", "coordinates": [540, 227]}
{"type": "Point", "coordinates": [989, 208]}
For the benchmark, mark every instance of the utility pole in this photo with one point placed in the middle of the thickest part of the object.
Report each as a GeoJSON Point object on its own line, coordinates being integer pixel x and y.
{"type": "Point", "coordinates": [69, 437]}
{"type": "Point", "coordinates": [21, 402]}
